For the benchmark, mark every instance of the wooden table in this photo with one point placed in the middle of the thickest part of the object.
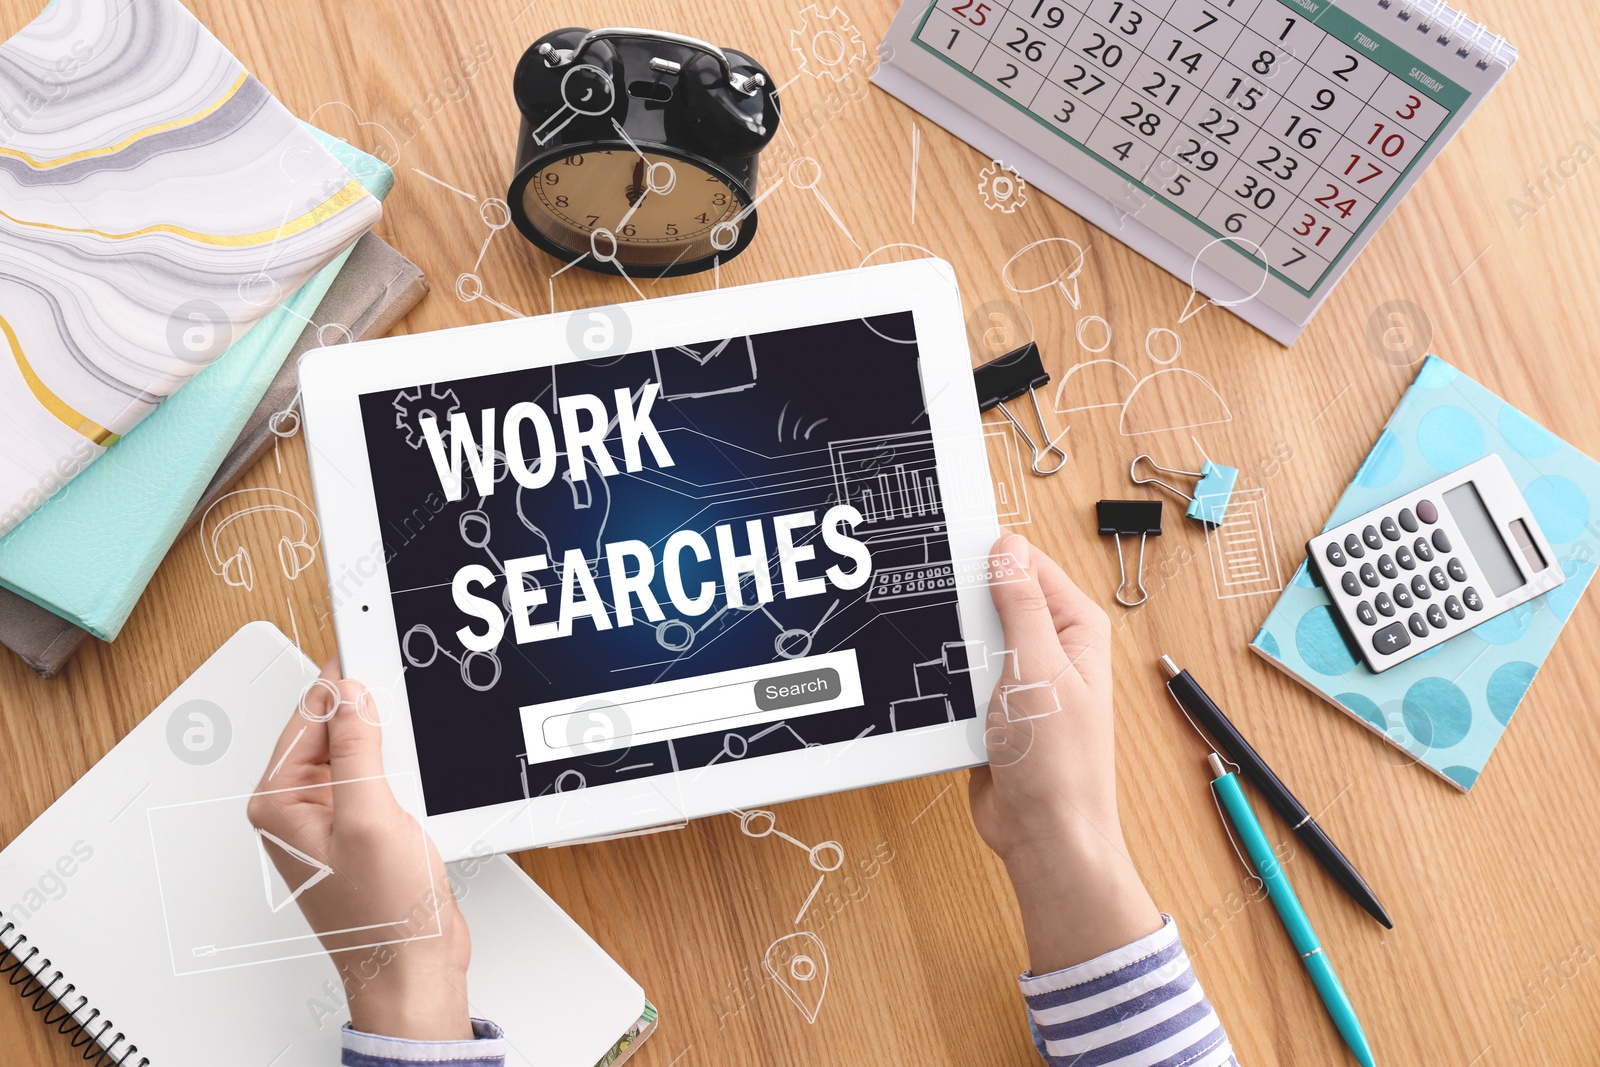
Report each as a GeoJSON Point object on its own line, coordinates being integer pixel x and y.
{"type": "Point", "coordinates": [1496, 895]}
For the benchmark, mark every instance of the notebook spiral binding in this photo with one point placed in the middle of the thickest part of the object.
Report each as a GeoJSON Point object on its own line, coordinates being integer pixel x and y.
{"type": "Point", "coordinates": [42, 996]}
{"type": "Point", "coordinates": [1450, 27]}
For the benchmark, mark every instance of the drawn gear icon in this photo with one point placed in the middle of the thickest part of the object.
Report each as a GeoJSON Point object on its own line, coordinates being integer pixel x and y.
{"type": "Point", "coordinates": [1002, 188]}
{"type": "Point", "coordinates": [828, 45]}
{"type": "Point", "coordinates": [411, 404]}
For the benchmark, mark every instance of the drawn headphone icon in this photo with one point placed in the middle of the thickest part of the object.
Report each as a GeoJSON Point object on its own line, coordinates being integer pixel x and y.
{"type": "Point", "coordinates": [295, 554]}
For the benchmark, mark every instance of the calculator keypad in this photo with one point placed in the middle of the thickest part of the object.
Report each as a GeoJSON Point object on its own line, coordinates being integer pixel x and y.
{"type": "Point", "coordinates": [1391, 638]}
{"type": "Point", "coordinates": [1401, 578]}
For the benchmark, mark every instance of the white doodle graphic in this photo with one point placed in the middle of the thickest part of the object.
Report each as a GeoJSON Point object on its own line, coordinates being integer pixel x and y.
{"type": "Point", "coordinates": [296, 550]}
{"type": "Point", "coordinates": [806, 173]}
{"type": "Point", "coordinates": [1002, 188]}
{"type": "Point", "coordinates": [1230, 247]}
{"type": "Point", "coordinates": [1045, 263]}
{"type": "Point", "coordinates": [1172, 389]}
{"type": "Point", "coordinates": [1095, 383]}
{"type": "Point", "coordinates": [495, 214]}
{"type": "Point", "coordinates": [827, 45]}
{"type": "Point", "coordinates": [479, 670]}
{"type": "Point", "coordinates": [319, 870]}
{"type": "Point", "coordinates": [1157, 339]}
{"type": "Point", "coordinates": [412, 405]}
{"type": "Point", "coordinates": [1244, 559]}
{"type": "Point", "coordinates": [803, 975]}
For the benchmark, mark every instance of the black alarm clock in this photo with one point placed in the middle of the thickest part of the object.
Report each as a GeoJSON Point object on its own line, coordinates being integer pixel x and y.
{"type": "Point", "coordinates": [639, 149]}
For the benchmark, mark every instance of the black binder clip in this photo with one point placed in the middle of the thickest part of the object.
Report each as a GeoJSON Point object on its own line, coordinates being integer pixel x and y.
{"type": "Point", "coordinates": [1118, 517]}
{"type": "Point", "coordinates": [1008, 377]}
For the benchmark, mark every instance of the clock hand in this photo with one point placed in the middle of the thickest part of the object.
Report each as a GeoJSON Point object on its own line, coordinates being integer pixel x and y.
{"type": "Point", "coordinates": [636, 189]}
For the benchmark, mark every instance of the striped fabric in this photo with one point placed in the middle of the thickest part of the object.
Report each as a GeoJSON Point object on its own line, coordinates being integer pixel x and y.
{"type": "Point", "coordinates": [1136, 1006]}
{"type": "Point", "coordinates": [488, 1049]}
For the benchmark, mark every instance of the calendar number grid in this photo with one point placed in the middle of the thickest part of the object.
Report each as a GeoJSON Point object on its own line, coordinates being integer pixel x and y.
{"type": "Point", "coordinates": [1252, 121]}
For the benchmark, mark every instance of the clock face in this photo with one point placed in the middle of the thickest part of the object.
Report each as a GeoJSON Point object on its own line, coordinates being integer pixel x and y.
{"type": "Point", "coordinates": [642, 208]}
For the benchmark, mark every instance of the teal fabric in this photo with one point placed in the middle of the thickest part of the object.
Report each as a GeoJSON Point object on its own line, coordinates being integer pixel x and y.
{"type": "Point", "coordinates": [89, 552]}
{"type": "Point", "coordinates": [1448, 707]}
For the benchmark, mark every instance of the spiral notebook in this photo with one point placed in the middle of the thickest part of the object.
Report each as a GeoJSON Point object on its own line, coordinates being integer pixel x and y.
{"type": "Point", "coordinates": [1250, 147]}
{"type": "Point", "coordinates": [140, 919]}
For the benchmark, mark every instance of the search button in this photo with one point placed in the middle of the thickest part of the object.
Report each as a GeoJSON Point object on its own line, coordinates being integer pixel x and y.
{"type": "Point", "coordinates": [792, 690]}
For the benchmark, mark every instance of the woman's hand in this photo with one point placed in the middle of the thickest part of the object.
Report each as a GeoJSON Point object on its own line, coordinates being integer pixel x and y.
{"type": "Point", "coordinates": [324, 795]}
{"type": "Point", "coordinates": [1047, 801]}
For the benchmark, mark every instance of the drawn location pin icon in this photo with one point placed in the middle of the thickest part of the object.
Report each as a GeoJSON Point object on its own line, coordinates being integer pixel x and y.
{"type": "Point", "coordinates": [799, 964]}
{"type": "Point", "coordinates": [1049, 261]}
{"type": "Point", "coordinates": [1222, 270]}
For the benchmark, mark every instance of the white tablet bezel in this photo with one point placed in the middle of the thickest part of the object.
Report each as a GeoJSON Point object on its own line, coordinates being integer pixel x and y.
{"type": "Point", "coordinates": [332, 380]}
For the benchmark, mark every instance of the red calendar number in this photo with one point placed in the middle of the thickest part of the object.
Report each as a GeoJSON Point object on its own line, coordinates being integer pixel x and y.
{"type": "Point", "coordinates": [1362, 169]}
{"type": "Point", "coordinates": [1392, 145]}
{"type": "Point", "coordinates": [978, 16]}
{"type": "Point", "coordinates": [1331, 201]}
{"type": "Point", "coordinates": [1309, 225]}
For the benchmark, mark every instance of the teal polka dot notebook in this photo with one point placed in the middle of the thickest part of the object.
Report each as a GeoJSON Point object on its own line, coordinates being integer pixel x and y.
{"type": "Point", "coordinates": [1447, 708]}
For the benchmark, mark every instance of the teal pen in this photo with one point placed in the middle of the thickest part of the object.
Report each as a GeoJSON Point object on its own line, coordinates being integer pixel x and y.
{"type": "Point", "coordinates": [1304, 939]}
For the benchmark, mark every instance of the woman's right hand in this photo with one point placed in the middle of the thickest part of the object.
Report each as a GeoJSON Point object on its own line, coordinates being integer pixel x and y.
{"type": "Point", "coordinates": [1047, 801]}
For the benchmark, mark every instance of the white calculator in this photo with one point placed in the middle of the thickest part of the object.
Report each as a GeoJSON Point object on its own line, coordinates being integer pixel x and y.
{"type": "Point", "coordinates": [1434, 563]}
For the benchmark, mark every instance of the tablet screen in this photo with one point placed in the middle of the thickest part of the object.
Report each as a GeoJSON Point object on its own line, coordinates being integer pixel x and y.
{"type": "Point", "coordinates": [664, 560]}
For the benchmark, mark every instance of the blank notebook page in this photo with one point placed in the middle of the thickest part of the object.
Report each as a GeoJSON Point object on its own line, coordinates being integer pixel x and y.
{"type": "Point", "coordinates": [144, 887]}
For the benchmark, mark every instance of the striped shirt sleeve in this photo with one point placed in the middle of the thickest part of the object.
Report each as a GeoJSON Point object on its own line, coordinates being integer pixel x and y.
{"type": "Point", "coordinates": [487, 1048]}
{"type": "Point", "coordinates": [1136, 1006]}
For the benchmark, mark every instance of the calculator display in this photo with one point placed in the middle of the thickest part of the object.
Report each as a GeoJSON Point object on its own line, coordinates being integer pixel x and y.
{"type": "Point", "coordinates": [1483, 539]}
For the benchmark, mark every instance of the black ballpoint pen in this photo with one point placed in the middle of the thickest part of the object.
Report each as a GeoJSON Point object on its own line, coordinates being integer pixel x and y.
{"type": "Point", "coordinates": [1188, 693]}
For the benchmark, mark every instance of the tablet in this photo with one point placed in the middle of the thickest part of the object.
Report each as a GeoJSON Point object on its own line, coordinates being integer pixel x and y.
{"type": "Point", "coordinates": [613, 569]}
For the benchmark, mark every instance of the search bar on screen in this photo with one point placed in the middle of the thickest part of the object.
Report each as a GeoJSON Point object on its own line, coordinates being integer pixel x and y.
{"type": "Point", "coordinates": [767, 692]}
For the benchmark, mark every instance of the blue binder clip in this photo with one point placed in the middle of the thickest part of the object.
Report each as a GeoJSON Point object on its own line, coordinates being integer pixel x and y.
{"type": "Point", "coordinates": [1213, 487]}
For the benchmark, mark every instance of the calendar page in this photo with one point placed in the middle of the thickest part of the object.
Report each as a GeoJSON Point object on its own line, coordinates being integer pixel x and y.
{"type": "Point", "coordinates": [1247, 146]}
